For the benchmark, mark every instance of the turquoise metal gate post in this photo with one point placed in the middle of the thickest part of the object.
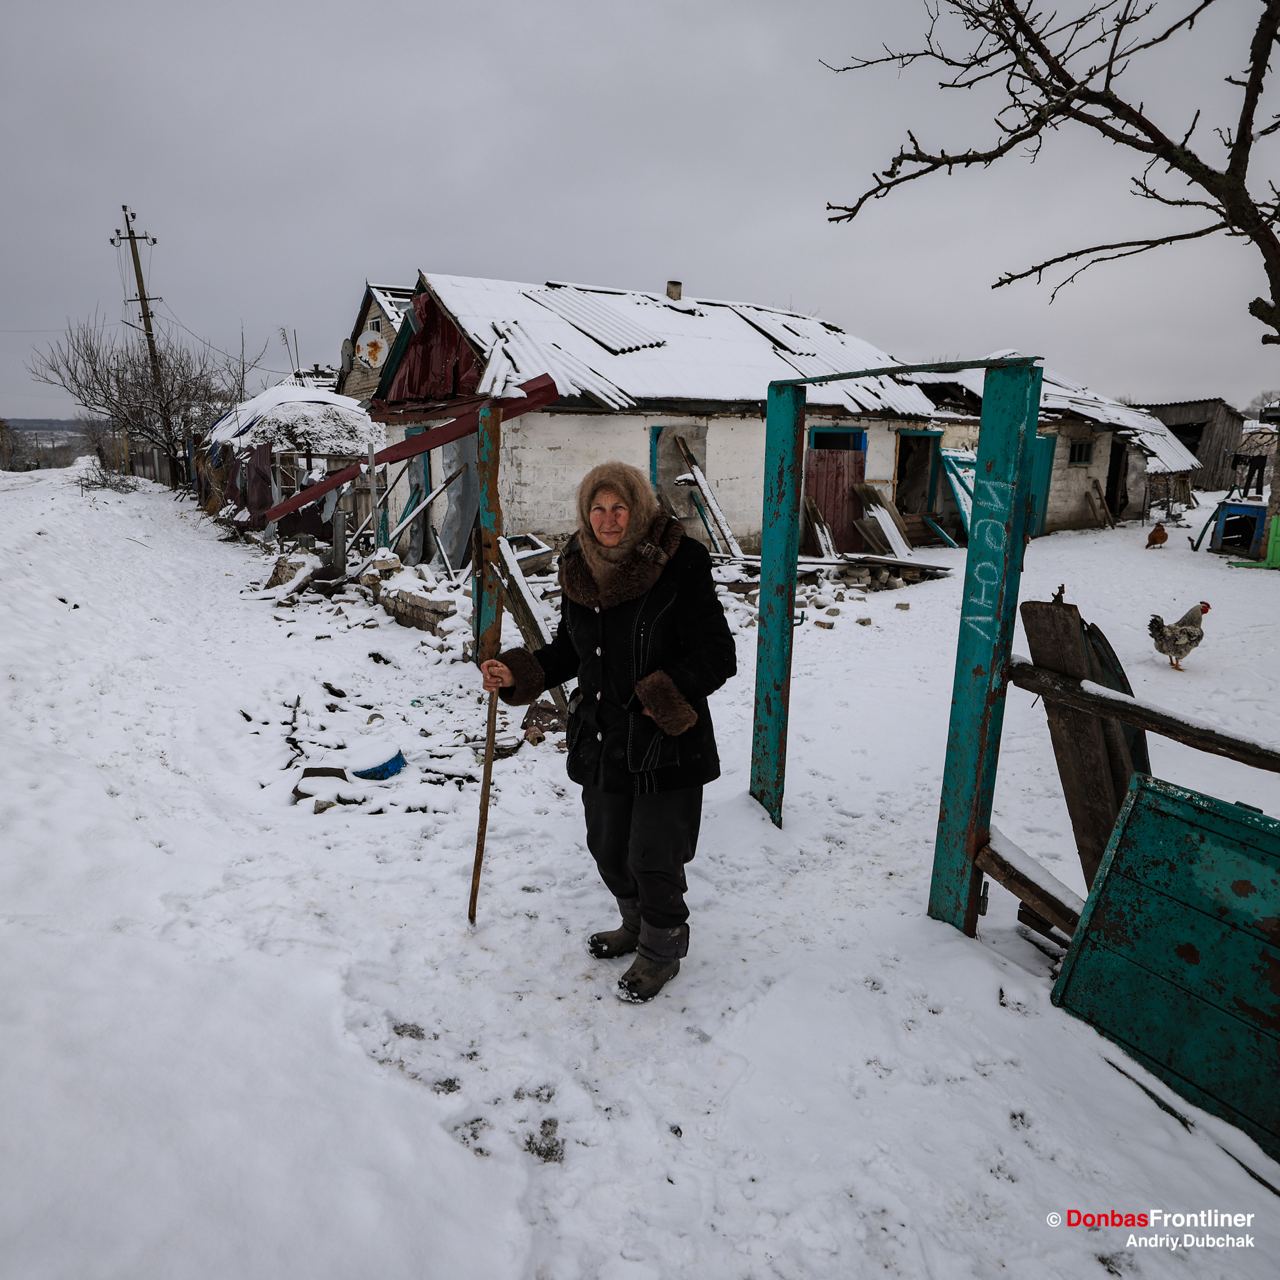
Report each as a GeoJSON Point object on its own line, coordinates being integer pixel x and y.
{"type": "Point", "coordinates": [779, 547]}
{"type": "Point", "coordinates": [998, 530]}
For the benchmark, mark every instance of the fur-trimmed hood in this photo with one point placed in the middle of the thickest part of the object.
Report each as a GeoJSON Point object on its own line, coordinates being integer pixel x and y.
{"type": "Point", "coordinates": [631, 578]}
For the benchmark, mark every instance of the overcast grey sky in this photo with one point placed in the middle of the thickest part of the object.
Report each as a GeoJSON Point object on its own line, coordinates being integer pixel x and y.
{"type": "Point", "coordinates": [283, 153]}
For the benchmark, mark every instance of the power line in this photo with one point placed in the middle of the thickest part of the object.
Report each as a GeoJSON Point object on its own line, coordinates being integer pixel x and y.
{"type": "Point", "coordinates": [284, 373]}
{"type": "Point", "coordinates": [110, 324]}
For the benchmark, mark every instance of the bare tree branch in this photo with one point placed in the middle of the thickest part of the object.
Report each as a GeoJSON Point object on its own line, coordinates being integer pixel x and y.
{"type": "Point", "coordinates": [111, 377]}
{"type": "Point", "coordinates": [1057, 71]}
{"type": "Point", "coordinates": [1100, 253]}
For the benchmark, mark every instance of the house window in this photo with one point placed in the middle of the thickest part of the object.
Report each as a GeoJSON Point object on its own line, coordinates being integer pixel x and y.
{"type": "Point", "coordinates": [853, 441]}
{"type": "Point", "coordinates": [375, 324]}
{"type": "Point", "coordinates": [1081, 453]}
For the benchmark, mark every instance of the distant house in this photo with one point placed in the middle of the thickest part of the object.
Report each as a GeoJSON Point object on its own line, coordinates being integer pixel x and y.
{"type": "Point", "coordinates": [1212, 430]}
{"type": "Point", "coordinates": [378, 320]}
{"type": "Point", "coordinates": [317, 378]}
{"type": "Point", "coordinates": [1095, 449]}
{"type": "Point", "coordinates": [1259, 439]}
{"type": "Point", "coordinates": [634, 370]}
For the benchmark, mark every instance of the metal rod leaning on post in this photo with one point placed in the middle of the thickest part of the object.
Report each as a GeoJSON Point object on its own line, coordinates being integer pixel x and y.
{"type": "Point", "coordinates": [487, 611]}
{"type": "Point", "coordinates": [407, 520]}
{"type": "Point", "coordinates": [535, 394]}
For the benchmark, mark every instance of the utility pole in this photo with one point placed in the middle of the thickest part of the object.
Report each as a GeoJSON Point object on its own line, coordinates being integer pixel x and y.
{"type": "Point", "coordinates": [145, 303]}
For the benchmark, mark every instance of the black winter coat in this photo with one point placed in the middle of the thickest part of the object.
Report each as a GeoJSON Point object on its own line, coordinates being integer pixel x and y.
{"type": "Point", "coordinates": [656, 639]}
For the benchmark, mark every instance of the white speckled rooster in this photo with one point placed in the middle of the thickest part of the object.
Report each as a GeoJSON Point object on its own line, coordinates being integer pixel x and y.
{"type": "Point", "coordinates": [1177, 639]}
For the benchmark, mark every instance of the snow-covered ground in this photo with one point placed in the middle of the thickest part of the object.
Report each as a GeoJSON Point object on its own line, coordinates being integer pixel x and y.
{"type": "Point", "coordinates": [244, 1039]}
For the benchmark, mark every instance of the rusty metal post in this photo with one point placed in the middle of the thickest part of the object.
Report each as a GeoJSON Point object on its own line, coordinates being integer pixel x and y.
{"type": "Point", "coordinates": [486, 591]}
{"type": "Point", "coordinates": [998, 528]}
{"type": "Point", "coordinates": [779, 547]}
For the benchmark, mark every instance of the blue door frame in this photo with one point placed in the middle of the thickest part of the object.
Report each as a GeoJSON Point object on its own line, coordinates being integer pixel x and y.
{"type": "Point", "coordinates": [1041, 477]}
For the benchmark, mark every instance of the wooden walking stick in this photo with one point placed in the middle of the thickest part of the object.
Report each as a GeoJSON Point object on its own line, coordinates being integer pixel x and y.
{"type": "Point", "coordinates": [486, 779]}
{"type": "Point", "coordinates": [487, 610]}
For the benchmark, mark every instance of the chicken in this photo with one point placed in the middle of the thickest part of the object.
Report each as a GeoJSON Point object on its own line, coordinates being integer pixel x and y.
{"type": "Point", "coordinates": [1157, 537]}
{"type": "Point", "coordinates": [1177, 640]}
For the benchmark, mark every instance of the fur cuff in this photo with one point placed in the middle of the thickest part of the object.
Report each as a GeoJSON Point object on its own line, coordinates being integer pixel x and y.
{"type": "Point", "coordinates": [530, 681]}
{"type": "Point", "coordinates": [670, 710]}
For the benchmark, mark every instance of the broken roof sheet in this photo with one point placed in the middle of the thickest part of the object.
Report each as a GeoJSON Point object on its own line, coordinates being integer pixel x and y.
{"type": "Point", "coordinates": [393, 300]}
{"type": "Point", "coordinates": [1060, 395]}
{"type": "Point", "coordinates": [620, 347]}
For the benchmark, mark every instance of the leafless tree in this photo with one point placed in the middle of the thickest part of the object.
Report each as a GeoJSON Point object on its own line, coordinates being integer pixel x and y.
{"type": "Point", "coordinates": [165, 405]}
{"type": "Point", "coordinates": [1055, 67]}
{"type": "Point", "coordinates": [14, 451]}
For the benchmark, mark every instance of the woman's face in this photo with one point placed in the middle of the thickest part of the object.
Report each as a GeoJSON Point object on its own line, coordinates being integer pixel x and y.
{"type": "Point", "coordinates": [609, 516]}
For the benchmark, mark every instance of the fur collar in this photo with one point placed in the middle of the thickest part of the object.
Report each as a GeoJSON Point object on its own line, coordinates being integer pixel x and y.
{"type": "Point", "coordinates": [631, 578]}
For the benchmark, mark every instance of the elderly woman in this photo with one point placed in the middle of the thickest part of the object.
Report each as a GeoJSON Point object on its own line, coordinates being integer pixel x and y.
{"type": "Point", "coordinates": [643, 632]}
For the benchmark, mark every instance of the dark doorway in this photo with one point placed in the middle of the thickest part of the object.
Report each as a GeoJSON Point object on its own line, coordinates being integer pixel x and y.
{"type": "Point", "coordinates": [916, 475]}
{"type": "Point", "coordinates": [1117, 478]}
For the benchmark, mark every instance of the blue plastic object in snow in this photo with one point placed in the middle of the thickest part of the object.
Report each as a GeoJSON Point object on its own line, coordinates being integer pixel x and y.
{"type": "Point", "coordinates": [379, 772]}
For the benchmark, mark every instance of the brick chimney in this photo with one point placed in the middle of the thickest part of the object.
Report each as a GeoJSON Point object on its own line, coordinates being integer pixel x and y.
{"type": "Point", "coordinates": [673, 290]}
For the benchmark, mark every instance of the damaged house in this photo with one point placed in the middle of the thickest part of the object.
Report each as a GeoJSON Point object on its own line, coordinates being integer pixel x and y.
{"type": "Point", "coordinates": [661, 380]}
{"type": "Point", "coordinates": [276, 443]}
{"type": "Point", "coordinates": [634, 371]}
{"type": "Point", "coordinates": [378, 320]}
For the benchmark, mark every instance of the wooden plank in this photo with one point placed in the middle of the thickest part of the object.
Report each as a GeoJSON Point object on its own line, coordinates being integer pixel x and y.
{"type": "Point", "coordinates": [1102, 502]}
{"type": "Point", "coordinates": [1031, 890]}
{"type": "Point", "coordinates": [821, 531]}
{"type": "Point", "coordinates": [849, 559]}
{"type": "Point", "coordinates": [713, 513]}
{"type": "Point", "coordinates": [881, 510]}
{"type": "Point", "coordinates": [1204, 1054]}
{"type": "Point", "coordinates": [993, 574]}
{"type": "Point", "coordinates": [1090, 785]}
{"type": "Point", "coordinates": [779, 546]}
{"type": "Point", "coordinates": [1061, 689]}
{"type": "Point", "coordinates": [873, 536]}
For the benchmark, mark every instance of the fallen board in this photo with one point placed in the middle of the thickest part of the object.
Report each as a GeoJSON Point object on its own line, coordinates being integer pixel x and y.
{"type": "Point", "coordinates": [1177, 954]}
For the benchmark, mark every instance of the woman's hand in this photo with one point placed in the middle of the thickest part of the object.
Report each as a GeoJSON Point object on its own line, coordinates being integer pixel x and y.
{"type": "Point", "coordinates": [497, 675]}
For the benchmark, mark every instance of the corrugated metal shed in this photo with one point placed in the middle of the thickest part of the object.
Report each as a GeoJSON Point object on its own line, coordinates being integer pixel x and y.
{"type": "Point", "coordinates": [620, 348]}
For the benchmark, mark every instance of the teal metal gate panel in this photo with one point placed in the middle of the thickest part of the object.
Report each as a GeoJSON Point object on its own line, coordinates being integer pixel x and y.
{"type": "Point", "coordinates": [1041, 478]}
{"type": "Point", "coordinates": [1177, 957]}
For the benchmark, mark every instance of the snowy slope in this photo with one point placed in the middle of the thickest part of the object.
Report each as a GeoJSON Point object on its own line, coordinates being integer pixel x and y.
{"type": "Point", "coordinates": [242, 1038]}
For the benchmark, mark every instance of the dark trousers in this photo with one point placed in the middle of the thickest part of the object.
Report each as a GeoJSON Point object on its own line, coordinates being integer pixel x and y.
{"type": "Point", "coordinates": [641, 843]}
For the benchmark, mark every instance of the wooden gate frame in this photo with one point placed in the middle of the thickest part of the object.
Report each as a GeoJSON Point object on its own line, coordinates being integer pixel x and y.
{"type": "Point", "coordinates": [1010, 411]}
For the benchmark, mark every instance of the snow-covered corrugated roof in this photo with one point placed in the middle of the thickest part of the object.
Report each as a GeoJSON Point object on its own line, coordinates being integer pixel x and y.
{"type": "Point", "coordinates": [1060, 395]}
{"type": "Point", "coordinates": [620, 347]}
{"type": "Point", "coordinates": [291, 416]}
{"type": "Point", "coordinates": [315, 378]}
{"type": "Point", "coordinates": [393, 300]}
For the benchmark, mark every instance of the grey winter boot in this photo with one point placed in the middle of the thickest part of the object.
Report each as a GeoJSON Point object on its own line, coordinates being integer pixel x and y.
{"type": "Point", "coordinates": [659, 952]}
{"type": "Point", "coordinates": [622, 941]}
